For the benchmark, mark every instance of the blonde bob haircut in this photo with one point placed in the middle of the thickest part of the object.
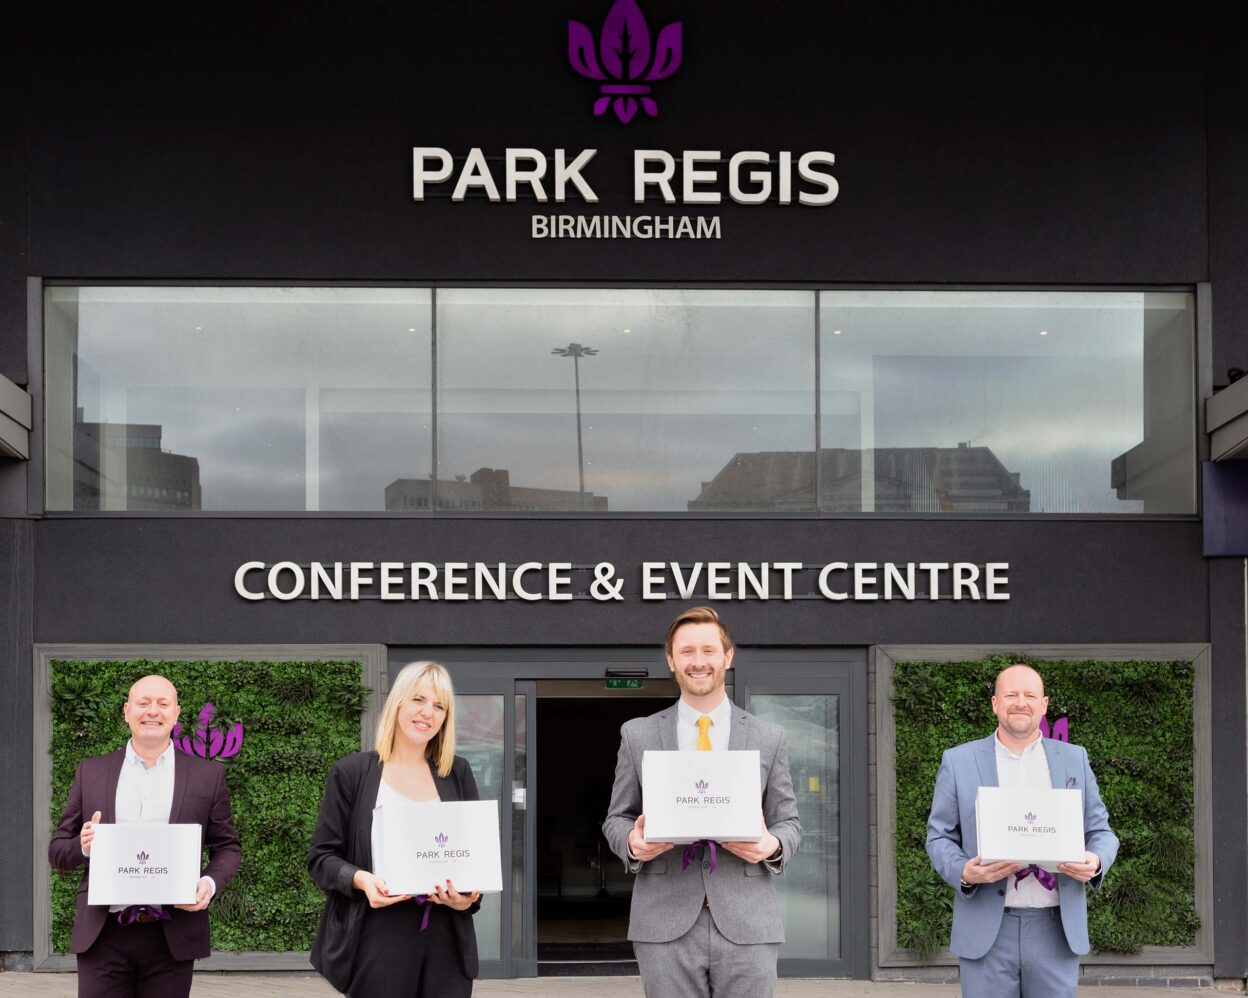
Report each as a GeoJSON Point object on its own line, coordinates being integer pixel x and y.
{"type": "Point", "coordinates": [411, 678]}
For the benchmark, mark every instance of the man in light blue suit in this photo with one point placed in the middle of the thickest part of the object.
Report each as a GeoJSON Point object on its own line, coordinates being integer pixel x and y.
{"type": "Point", "coordinates": [1018, 931]}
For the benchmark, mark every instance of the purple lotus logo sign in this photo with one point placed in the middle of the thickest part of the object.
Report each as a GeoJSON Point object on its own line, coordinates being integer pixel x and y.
{"type": "Point", "coordinates": [440, 839]}
{"type": "Point", "coordinates": [208, 741]}
{"type": "Point", "coordinates": [143, 858]}
{"type": "Point", "coordinates": [1029, 818]}
{"type": "Point", "coordinates": [625, 53]}
{"type": "Point", "coordinates": [701, 786]}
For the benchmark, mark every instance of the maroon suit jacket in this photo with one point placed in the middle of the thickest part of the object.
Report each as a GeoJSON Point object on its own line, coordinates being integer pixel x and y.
{"type": "Point", "coordinates": [200, 796]}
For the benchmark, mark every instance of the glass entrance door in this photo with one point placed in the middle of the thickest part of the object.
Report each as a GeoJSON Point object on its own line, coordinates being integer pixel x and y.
{"type": "Point", "coordinates": [492, 730]}
{"type": "Point", "coordinates": [824, 889]}
{"type": "Point", "coordinates": [554, 872]}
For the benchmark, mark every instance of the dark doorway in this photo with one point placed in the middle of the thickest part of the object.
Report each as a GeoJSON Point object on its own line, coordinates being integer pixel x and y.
{"type": "Point", "coordinates": [583, 891]}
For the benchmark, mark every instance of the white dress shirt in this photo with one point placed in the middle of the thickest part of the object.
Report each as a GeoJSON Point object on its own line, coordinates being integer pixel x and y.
{"type": "Point", "coordinates": [1029, 768]}
{"type": "Point", "coordinates": [145, 793]}
{"type": "Point", "coordinates": [687, 726]}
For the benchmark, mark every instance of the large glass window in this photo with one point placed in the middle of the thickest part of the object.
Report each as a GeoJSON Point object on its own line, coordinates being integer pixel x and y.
{"type": "Point", "coordinates": [179, 399]}
{"type": "Point", "coordinates": [599, 400]}
{"type": "Point", "coordinates": [625, 400]}
{"type": "Point", "coordinates": [1007, 402]}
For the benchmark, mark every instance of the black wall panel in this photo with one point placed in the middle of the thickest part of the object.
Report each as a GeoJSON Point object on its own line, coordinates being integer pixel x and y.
{"type": "Point", "coordinates": [172, 580]}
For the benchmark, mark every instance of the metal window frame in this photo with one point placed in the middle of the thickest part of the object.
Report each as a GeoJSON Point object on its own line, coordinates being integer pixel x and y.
{"type": "Point", "coordinates": [1202, 347]}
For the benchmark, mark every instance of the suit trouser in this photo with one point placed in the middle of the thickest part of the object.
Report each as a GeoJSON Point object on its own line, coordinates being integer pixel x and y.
{"type": "Point", "coordinates": [1029, 959]}
{"type": "Point", "coordinates": [132, 961]}
{"type": "Point", "coordinates": [704, 963]}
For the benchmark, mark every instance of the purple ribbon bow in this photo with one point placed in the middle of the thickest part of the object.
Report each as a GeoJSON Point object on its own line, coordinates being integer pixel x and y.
{"type": "Point", "coordinates": [130, 915]}
{"type": "Point", "coordinates": [424, 899]}
{"type": "Point", "coordinates": [694, 851]}
{"type": "Point", "coordinates": [1047, 880]}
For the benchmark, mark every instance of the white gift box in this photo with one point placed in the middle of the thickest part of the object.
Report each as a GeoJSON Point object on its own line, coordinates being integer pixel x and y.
{"type": "Point", "coordinates": [430, 842]}
{"type": "Point", "coordinates": [1040, 826]}
{"type": "Point", "coordinates": [134, 863]}
{"type": "Point", "coordinates": [687, 796]}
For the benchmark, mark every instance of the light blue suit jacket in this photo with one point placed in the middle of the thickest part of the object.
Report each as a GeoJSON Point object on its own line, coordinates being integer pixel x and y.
{"type": "Point", "coordinates": [951, 841]}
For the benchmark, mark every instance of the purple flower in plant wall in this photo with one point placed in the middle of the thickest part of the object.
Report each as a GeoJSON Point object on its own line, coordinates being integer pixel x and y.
{"type": "Point", "coordinates": [1060, 729]}
{"type": "Point", "coordinates": [625, 59]}
{"type": "Point", "coordinates": [209, 741]}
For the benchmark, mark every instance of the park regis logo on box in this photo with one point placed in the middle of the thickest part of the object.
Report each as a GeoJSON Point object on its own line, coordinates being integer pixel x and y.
{"type": "Point", "coordinates": [1029, 827]}
{"type": "Point", "coordinates": [701, 798]}
{"type": "Point", "coordinates": [442, 853]}
{"type": "Point", "coordinates": [143, 869]}
{"type": "Point", "coordinates": [625, 52]}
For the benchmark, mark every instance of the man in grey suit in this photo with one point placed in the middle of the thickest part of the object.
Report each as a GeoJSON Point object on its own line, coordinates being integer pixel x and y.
{"type": "Point", "coordinates": [1018, 931]}
{"type": "Point", "coordinates": [704, 922]}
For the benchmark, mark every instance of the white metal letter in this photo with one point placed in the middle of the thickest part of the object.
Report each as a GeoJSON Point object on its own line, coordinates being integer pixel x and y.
{"type": "Point", "coordinates": [565, 172]}
{"type": "Point", "coordinates": [662, 179]}
{"type": "Point", "coordinates": [532, 177]}
{"type": "Point", "coordinates": [240, 579]}
{"type": "Point", "coordinates": [805, 169]}
{"type": "Point", "coordinates": [760, 177]}
{"type": "Point", "coordinates": [421, 176]}
{"type": "Point", "coordinates": [691, 176]}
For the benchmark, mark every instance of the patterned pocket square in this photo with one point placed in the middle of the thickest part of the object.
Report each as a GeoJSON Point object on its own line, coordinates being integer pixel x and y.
{"type": "Point", "coordinates": [1072, 784]}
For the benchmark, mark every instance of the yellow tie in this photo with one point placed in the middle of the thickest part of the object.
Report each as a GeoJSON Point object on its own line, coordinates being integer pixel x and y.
{"type": "Point", "coordinates": [704, 736]}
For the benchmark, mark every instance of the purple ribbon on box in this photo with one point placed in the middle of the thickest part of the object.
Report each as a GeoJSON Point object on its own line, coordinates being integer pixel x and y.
{"type": "Point", "coordinates": [1047, 880]}
{"type": "Point", "coordinates": [424, 899]}
{"type": "Point", "coordinates": [154, 913]}
{"type": "Point", "coordinates": [694, 851]}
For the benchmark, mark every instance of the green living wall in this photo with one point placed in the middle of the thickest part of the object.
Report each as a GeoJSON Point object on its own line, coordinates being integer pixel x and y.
{"type": "Point", "coordinates": [1135, 720]}
{"type": "Point", "coordinates": [297, 719]}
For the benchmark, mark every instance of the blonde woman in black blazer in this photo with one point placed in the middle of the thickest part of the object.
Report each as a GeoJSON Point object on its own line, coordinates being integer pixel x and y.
{"type": "Point", "coordinates": [371, 943]}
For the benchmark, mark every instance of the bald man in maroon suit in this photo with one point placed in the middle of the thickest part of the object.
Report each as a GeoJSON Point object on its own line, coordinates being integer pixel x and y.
{"type": "Point", "coordinates": [145, 951]}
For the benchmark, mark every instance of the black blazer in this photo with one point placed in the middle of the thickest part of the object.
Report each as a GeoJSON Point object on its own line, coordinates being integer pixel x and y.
{"type": "Point", "coordinates": [332, 869]}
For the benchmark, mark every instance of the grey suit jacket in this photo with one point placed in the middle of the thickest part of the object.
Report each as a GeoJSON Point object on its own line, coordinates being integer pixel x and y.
{"type": "Point", "coordinates": [951, 841]}
{"type": "Point", "coordinates": [667, 898]}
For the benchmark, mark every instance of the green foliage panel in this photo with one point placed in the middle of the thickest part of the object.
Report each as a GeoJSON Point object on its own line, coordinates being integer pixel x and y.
{"type": "Point", "coordinates": [1135, 720]}
{"type": "Point", "coordinates": [298, 719]}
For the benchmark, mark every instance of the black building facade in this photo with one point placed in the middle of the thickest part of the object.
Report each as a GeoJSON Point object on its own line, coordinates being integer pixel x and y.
{"type": "Point", "coordinates": [857, 377]}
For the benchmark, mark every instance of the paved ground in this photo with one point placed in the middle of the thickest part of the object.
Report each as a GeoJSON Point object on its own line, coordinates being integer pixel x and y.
{"type": "Point", "coordinates": [285, 985]}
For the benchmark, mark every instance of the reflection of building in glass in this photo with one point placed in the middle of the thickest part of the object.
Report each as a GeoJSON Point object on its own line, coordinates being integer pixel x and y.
{"type": "Point", "coordinates": [904, 480]}
{"type": "Point", "coordinates": [486, 488]}
{"type": "Point", "coordinates": [121, 466]}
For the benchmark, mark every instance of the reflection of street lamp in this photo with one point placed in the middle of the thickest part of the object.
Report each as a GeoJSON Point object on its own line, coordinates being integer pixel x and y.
{"type": "Point", "coordinates": [576, 352]}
